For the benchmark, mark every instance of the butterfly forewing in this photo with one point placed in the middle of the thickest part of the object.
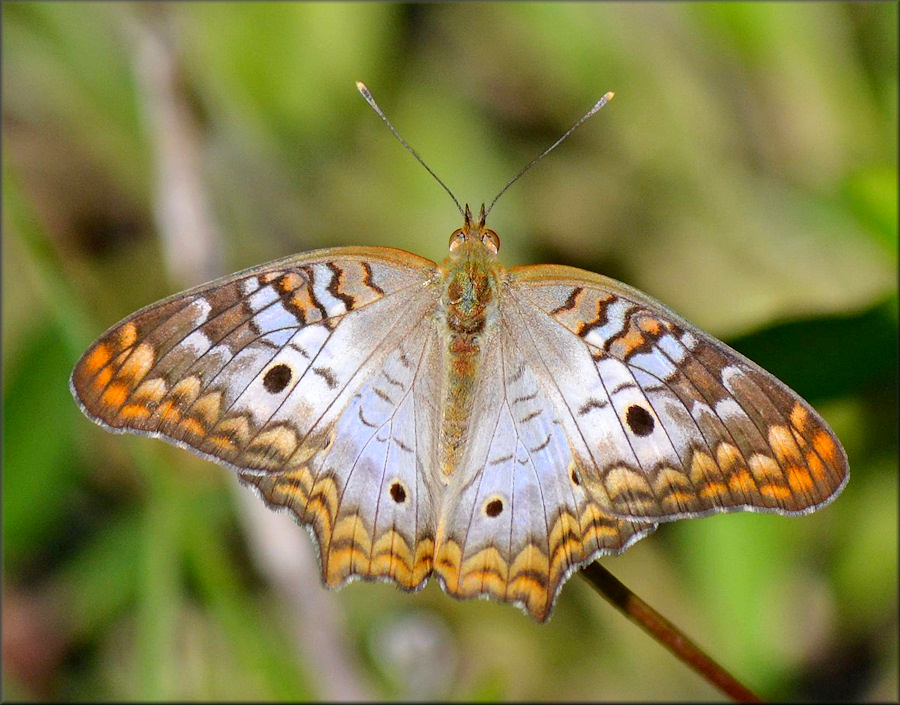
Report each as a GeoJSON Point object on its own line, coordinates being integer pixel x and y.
{"type": "Point", "coordinates": [246, 368]}
{"type": "Point", "coordinates": [675, 423]}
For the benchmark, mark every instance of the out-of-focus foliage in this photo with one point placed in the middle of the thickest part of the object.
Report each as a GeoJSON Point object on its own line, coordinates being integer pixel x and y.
{"type": "Point", "coordinates": [745, 174]}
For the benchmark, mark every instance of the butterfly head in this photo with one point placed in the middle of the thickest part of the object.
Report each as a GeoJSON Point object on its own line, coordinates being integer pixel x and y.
{"type": "Point", "coordinates": [473, 236]}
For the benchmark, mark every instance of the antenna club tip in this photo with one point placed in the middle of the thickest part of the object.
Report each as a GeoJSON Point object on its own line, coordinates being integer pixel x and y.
{"type": "Point", "coordinates": [361, 87]}
{"type": "Point", "coordinates": [608, 96]}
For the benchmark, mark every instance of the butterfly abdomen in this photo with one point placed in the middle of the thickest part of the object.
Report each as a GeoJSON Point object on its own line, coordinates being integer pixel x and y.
{"type": "Point", "coordinates": [468, 314]}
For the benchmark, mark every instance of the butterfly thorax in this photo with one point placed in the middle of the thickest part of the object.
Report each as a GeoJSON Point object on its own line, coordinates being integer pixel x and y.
{"type": "Point", "coordinates": [467, 316]}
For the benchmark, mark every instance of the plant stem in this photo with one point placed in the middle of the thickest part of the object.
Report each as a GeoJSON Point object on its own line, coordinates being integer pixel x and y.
{"type": "Point", "coordinates": [666, 633]}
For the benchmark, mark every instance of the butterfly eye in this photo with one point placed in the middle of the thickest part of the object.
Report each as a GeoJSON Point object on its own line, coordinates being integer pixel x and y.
{"type": "Point", "coordinates": [456, 239]}
{"type": "Point", "coordinates": [491, 240]}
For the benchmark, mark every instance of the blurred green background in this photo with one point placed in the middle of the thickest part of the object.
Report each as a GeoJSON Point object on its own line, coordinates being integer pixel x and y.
{"type": "Point", "coordinates": [745, 174]}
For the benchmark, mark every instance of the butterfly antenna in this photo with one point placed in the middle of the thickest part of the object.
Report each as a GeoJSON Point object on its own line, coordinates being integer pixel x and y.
{"type": "Point", "coordinates": [599, 104]}
{"type": "Point", "coordinates": [367, 94]}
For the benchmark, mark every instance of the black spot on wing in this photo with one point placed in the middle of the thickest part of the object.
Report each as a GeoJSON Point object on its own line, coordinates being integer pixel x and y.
{"type": "Point", "coordinates": [493, 508]}
{"type": "Point", "coordinates": [398, 494]}
{"type": "Point", "coordinates": [277, 378]}
{"type": "Point", "coordinates": [639, 420]}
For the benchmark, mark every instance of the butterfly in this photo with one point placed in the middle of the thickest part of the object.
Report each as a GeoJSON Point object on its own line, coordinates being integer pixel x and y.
{"type": "Point", "coordinates": [494, 428]}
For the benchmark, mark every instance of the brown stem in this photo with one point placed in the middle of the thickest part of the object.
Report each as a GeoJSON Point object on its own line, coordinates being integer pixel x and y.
{"type": "Point", "coordinates": [664, 632]}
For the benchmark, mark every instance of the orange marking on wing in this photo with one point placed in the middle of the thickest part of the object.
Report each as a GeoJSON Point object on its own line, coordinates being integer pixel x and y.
{"type": "Point", "coordinates": [774, 491]}
{"type": "Point", "coordinates": [564, 528]}
{"type": "Point", "coordinates": [168, 412]}
{"type": "Point", "coordinates": [187, 389]}
{"type": "Point", "coordinates": [389, 563]}
{"type": "Point", "coordinates": [342, 562]}
{"type": "Point", "coordinates": [668, 478]}
{"type": "Point", "coordinates": [605, 530]}
{"type": "Point", "coordinates": [391, 556]}
{"type": "Point", "coordinates": [292, 478]}
{"type": "Point", "coordinates": [825, 447]}
{"type": "Point", "coordinates": [291, 281]}
{"type": "Point", "coordinates": [97, 358]}
{"type": "Point", "coordinates": [236, 426]}
{"type": "Point", "coordinates": [127, 335]}
{"type": "Point", "coordinates": [649, 325]}
{"type": "Point", "coordinates": [595, 527]}
{"type": "Point", "coordinates": [799, 416]}
{"type": "Point", "coordinates": [192, 426]}
{"type": "Point", "coordinates": [208, 407]}
{"type": "Point", "coordinates": [621, 480]}
{"type": "Point", "coordinates": [742, 481]}
{"type": "Point", "coordinates": [587, 518]}
{"type": "Point", "coordinates": [424, 561]}
{"type": "Point", "coordinates": [799, 479]}
{"type": "Point", "coordinates": [103, 377]}
{"type": "Point", "coordinates": [677, 500]}
{"type": "Point", "coordinates": [446, 563]}
{"type": "Point", "coordinates": [799, 439]}
{"type": "Point", "coordinates": [138, 363]}
{"type": "Point", "coordinates": [765, 468]}
{"type": "Point", "coordinates": [120, 358]}
{"type": "Point", "coordinates": [625, 345]}
{"type": "Point", "coordinates": [782, 442]}
{"type": "Point", "coordinates": [815, 464]}
{"type": "Point", "coordinates": [134, 412]}
{"type": "Point", "coordinates": [703, 467]}
{"type": "Point", "coordinates": [632, 340]}
{"type": "Point", "coordinates": [483, 581]}
{"type": "Point", "coordinates": [486, 570]}
{"type": "Point", "coordinates": [352, 528]}
{"type": "Point", "coordinates": [565, 554]}
{"type": "Point", "coordinates": [530, 558]}
{"type": "Point", "coordinates": [279, 438]}
{"type": "Point", "coordinates": [222, 445]}
{"type": "Point", "coordinates": [393, 543]}
{"type": "Point", "coordinates": [291, 487]}
{"type": "Point", "coordinates": [449, 554]}
{"type": "Point", "coordinates": [300, 476]}
{"type": "Point", "coordinates": [317, 513]}
{"type": "Point", "coordinates": [713, 489]}
{"type": "Point", "coordinates": [729, 457]}
{"type": "Point", "coordinates": [356, 546]}
{"type": "Point", "coordinates": [115, 394]}
{"type": "Point", "coordinates": [531, 591]}
{"type": "Point", "coordinates": [326, 489]}
{"type": "Point", "coordinates": [151, 390]}
{"type": "Point", "coordinates": [303, 301]}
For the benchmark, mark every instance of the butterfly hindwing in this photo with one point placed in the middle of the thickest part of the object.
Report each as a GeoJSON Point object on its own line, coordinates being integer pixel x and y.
{"type": "Point", "coordinates": [367, 491]}
{"type": "Point", "coordinates": [519, 521]}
